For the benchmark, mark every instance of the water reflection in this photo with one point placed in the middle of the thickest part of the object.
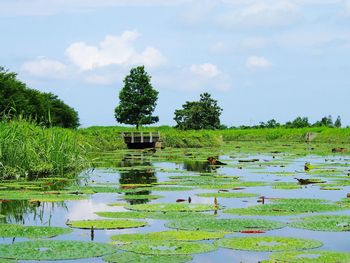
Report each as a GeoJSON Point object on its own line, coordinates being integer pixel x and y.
{"type": "Point", "coordinates": [197, 166]}
{"type": "Point", "coordinates": [141, 172]}
{"type": "Point", "coordinates": [18, 211]}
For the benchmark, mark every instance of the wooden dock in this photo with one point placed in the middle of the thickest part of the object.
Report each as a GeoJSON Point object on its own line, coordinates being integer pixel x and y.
{"type": "Point", "coordinates": [141, 140]}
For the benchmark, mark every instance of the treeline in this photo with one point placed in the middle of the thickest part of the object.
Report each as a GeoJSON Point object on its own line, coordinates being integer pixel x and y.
{"type": "Point", "coordinates": [46, 109]}
{"type": "Point", "coordinates": [299, 122]}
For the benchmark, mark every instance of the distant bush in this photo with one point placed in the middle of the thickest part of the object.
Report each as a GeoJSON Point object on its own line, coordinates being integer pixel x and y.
{"type": "Point", "coordinates": [16, 99]}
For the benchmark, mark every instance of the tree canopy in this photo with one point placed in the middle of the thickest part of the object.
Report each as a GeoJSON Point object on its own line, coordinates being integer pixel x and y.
{"type": "Point", "coordinates": [137, 99]}
{"type": "Point", "coordinates": [16, 99]}
{"type": "Point", "coordinates": [196, 115]}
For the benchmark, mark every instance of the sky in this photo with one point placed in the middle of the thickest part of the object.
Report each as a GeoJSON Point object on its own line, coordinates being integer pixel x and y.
{"type": "Point", "coordinates": [261, 59]}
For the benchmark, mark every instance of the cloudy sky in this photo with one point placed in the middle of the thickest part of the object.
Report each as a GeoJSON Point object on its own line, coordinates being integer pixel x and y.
{"type": "Point", "coordinates": [260, 59]}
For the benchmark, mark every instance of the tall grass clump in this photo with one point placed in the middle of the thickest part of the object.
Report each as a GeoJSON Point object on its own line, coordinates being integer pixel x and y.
{"type": "Point", "coordinates": [30, 151]}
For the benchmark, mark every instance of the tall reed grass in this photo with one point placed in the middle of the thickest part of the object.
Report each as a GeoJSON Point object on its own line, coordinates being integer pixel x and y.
{"type": "Point", "coordinates": [31, 151]}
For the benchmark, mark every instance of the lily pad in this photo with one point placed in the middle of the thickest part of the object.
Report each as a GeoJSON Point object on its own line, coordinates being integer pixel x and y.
{"type": "Point", "coordinates": [168, 248]}
{"type": "Point", "coordinates": [129, 257]}
{"type": "Point", "coordinates": [13, 230]}
{"type": "Point", "coordinates": [225, 225]}
{"type": "Point", "coordinates": [54, 250]}
{"type": "Point", "coordinates": [175, 235]}
{"type": "Point", "coordinates": [268, 243]}
{"type": "Point", "coordinates": [53, 196]}
{"type": "Point", "coordinates": [172, 207]}
{"type": "Point", "coordinates": [137, 197]}
{"type": "Point", "coordinates": [335, 223]}
{"type": "Point", "coordinates": [155, 215]}
{"type": "Point", "coordinates": [227, 195]}
{"type": "Point", "coordinates": [314, 256]}
{"type": "Point", "coordinates": [283, 207]}
{"type": "Point", "coordinates": [106, 224]}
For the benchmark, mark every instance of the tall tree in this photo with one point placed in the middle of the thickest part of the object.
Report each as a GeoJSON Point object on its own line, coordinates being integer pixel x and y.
{"type": "Point", "coordinates": [137, 99]}
{"type": "Point", "coordinates": [16, 99]}
{"type": "Point", "coordinates": [196, 115]}
{"type": "Point", "coordinates": [337, 122]}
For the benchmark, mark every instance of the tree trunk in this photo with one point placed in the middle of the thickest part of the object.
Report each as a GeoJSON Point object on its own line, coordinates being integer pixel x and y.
{"type": "Point", "coordinates": [137, 126]}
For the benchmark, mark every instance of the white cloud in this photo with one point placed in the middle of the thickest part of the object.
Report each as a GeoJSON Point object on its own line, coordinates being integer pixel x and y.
{"type": "Point", "coordinates": [206, 70]}
{"type": "Point", "coordinates": [255, 62]}
{"type": "Point", "coordinates": [194, 78]}
{"type": "Point", "coordinates": [44, 67]}
{"type": "Point", "coordinates": [261, 13]}
{"type": "Point", "coordinates": [113, 50]}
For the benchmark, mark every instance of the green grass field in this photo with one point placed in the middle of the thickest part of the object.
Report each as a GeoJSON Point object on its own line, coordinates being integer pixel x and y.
{"type": "Point", "coordinates": [30, 151]}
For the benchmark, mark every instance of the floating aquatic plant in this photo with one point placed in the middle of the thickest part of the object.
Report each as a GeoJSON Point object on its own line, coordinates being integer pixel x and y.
{"type": "Point", "coordinates": [227, 195]}
{"type": "Point", "coordinates": [175, 235]}
{"type": "Point", "coordinates": [335, 223]}
{"type": "Point", "coordinates": [314, 256]}
{"type": "Point", "coordinates": [286, 186]}
{"type": "Point", "coordinates": [106, 224]}
{"type": "Point", "coordinates": [129, 257]}
{"type": "Point", "coordinates": [268, 243]}
{"type": "Point", "coordinates": [168, 248]}
{"type": "Point", "coordinates": [155, 215]}
{"type": "Point", "coordinates": [172, 207]}
{"type": "Point", "coordinates": [137, 197]}
{"type": "Point", "coordinates": [53, 196]}
{"type": "Point", "coordinates": [225, 225]}
{"type": "Point", "coordinates": [283, 207]}
{"type": "Point", "coordinates": [54, 250]}
{"type": "Point", "coordinates": [13, 230]}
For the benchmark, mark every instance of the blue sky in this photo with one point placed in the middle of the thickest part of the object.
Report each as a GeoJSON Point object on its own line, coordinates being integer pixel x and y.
{"type": "Point", "coordinates": [260, 59]}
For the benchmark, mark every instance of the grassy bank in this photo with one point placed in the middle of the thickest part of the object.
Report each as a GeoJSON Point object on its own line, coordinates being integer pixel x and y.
{"type": "Point", "coordinates": [109, 138]}
{"type": "Point", "coordinates": [30, 151]}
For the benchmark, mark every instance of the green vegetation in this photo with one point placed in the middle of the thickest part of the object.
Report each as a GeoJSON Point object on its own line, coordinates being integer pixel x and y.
{"type": "Point", "coordinates": [172, 207]}
{"type": "Point", "coordinates": [227, 195]}
{"type": "Point", "coordinates": [335, 223]}
{"type": "Point", "coordinates": [54, 250]}
{"type": "Point", "coordinates": [29, 151]}
{"type": "Point", "coordinates": [129, 257]}
{"type": "Point", "coordinates": [106, 224]}
{"type": "Point", "coordinates": [137, 99]}
{"type": "Point", "coordinates": [225, 225]}
{"type": "Point", "coordinates": [44, 108]}
{"type": "Point", "coordinates": [155, 215]}
{"type": "Point", "coordinates": [198, 115]}
{"type": "Point", "coordinates": [283, 207]}
{"type": "Point", "coordinates": [11, 230]}
{"type": "Point", "coordinates": [168, 248]}
{"type": "Point", "coordinates": [32, 196]}
{"type": "Point", "coordinates": [268, 243]}
{"type": "Point", "coordinates": [174, 235]}
{"type": "Point", "coordinates": [313, 256]}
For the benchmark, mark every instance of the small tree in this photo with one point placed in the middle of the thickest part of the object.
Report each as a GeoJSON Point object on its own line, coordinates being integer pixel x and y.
{"type": "Point", "coordinates": [298, 122]}
{"type": "Point", "coordinates": [196, 115]}
{"type": "Point", "coordinates": [337, 122]}
{"type": "Point", "coordinates": [137, 99]}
